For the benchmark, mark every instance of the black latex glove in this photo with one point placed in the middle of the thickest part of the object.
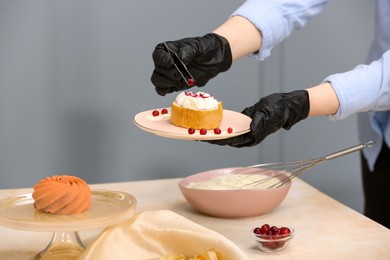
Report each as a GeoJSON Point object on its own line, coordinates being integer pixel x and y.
{"type": "Point", "coordinates": [205, 57]}
{"type": "Point", "coordinates": [281, 110]}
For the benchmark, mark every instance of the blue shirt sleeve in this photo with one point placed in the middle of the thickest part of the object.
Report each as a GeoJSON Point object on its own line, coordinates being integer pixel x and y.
{"type": "Point", "coordinates": [276, 19]}
{"type": "Point", "coordinates": [365, 88]}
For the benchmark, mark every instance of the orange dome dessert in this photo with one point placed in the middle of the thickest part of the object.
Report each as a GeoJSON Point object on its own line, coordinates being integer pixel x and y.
{"type": "Point", "coordinates": [196, 110]}
{"type": "Point", "coordinates": [62, 194]}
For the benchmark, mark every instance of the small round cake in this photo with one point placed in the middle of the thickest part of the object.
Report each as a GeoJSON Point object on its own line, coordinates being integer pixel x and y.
{"type": "Point", "coordinates": [196, 110]}
{"type": "Point", "coordinates": [62, 194]}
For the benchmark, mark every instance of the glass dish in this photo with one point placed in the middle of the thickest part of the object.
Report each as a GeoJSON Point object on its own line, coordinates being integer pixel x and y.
{"type": "Point", "coordinates": [272, 243]}
{"type": "Point", "coordinates": [107, 208]}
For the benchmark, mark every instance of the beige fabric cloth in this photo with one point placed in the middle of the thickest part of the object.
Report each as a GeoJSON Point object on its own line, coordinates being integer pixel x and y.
{"type": "Point", "coordinates": [151, 234]}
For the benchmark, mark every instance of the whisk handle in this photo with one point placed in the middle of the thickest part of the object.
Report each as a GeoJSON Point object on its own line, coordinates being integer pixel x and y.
{"type": "Point", "coordinates": [350, 150]}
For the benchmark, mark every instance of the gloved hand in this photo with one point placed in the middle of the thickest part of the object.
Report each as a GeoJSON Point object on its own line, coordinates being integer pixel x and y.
{"type": "Point", "coordinates": [281, 110]}
{"type": "Point", "coordinates": [205, 57]}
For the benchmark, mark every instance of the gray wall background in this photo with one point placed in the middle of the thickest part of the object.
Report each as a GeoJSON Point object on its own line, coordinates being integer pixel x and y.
{"type": "Point", "coordinates": [74, 73]}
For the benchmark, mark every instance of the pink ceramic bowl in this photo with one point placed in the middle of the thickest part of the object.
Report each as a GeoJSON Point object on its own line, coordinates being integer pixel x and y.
{"type": "Point", "coordinates": [232, 203]}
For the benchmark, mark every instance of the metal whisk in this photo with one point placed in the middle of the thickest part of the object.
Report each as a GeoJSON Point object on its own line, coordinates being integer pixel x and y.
{"type": "Point", "coordinates": [286, 171]}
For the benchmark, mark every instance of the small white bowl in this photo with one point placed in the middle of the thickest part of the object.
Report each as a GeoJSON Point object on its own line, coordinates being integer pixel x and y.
{"type": "Point", "coordinates": [232, 203]}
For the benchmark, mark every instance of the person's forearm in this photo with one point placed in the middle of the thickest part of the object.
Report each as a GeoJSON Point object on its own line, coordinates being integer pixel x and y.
{"type": "Point", "coordinates": [244, 38]}
{"type": "Point", "coordinates": [323, 100]}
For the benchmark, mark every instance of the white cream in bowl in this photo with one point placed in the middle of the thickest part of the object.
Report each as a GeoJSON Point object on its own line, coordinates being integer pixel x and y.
{"type": "Point", "coordinates": [234, 182]}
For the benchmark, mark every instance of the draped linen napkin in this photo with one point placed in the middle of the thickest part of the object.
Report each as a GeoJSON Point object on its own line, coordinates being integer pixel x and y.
{"type": "Point", "coordinates": [151, 234]}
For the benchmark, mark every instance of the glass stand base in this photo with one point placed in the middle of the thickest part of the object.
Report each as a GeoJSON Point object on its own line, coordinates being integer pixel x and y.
{"type": "Point", "coordinates": [63, 245]}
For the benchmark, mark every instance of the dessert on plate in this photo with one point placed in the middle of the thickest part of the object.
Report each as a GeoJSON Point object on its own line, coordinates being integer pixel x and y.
{"type": "Point", "coordinates": [196, 110]}
{"type": "Point", "coordinates": [62, 194]}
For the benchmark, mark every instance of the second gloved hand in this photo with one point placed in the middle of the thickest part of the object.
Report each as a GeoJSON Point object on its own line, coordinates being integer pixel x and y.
{"type": "Point", "coordinates": [205, 57]}
{"type": "Point", "coordinates": [271, 113]}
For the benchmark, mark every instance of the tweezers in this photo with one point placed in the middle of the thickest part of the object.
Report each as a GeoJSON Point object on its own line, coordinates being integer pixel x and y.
{"type": "Point", "coordinates": [181, 67]}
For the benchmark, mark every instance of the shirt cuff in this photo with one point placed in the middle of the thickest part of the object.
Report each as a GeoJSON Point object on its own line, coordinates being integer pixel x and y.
{"type": "Point", "coordinates": [357, 90]}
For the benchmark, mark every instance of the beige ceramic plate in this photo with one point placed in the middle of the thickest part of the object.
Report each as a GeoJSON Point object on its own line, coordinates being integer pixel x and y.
{"type": "Point", "coordinates": [107, 208]}
{"type": "Point", "coordinates": [161, 126]}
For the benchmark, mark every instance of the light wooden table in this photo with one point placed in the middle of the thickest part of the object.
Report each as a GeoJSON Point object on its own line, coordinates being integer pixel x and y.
{"type": "Point", "coordinates": [325, 228]}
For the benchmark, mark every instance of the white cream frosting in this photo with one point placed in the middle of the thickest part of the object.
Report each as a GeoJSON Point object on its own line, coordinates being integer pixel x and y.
{"type": "Point", "coordinates": [196, 101]}
{"type": "Point", "coordinates": [234, 182]}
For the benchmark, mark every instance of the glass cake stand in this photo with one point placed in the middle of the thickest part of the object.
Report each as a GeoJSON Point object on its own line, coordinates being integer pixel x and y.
{"type": "Point", "coordinates": [107, 208]}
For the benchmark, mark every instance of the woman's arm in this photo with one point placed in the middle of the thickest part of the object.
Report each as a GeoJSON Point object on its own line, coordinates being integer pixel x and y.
{"type": "Point", "coordinates": [323, 100]}
{"type": "Point", "coordinates": [243, 36]}
{"type": "Point", "coordinates": [257, 26]}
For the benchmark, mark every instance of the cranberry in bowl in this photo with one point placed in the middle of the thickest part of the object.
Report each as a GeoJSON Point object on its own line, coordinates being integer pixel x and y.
{"type": "Point", "coordinates": [272, 238]}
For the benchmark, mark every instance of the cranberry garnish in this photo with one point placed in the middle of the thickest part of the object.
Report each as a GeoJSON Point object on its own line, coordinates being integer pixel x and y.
{"type": "Point", "coordinates": [196, 95]}
{"type": "Point", "coordinates": [190, 82]}
{"type": "Point", "coordinates": [217, 131]}
{"type": "Point", "coordinates": [264, 229]}
{"type": "Point", "coordinates": [257, 231]}
{"type": "Point", "coordinates": [191, 94]}
{"type": "Point", "coordinates": [191, 131]}
{"type": "Point", "coordinates": [203, 131]}
{"type": "Point", "coordinates": [284, 231]}
{"type": "Point", "coordinates": [274, 230]}
{"type": "Point", "coordinates": [230, 130]}
{"type": "Point", "coordinates": [155, 113]}
{"type": "Point", "coordinates": [164, 111]}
